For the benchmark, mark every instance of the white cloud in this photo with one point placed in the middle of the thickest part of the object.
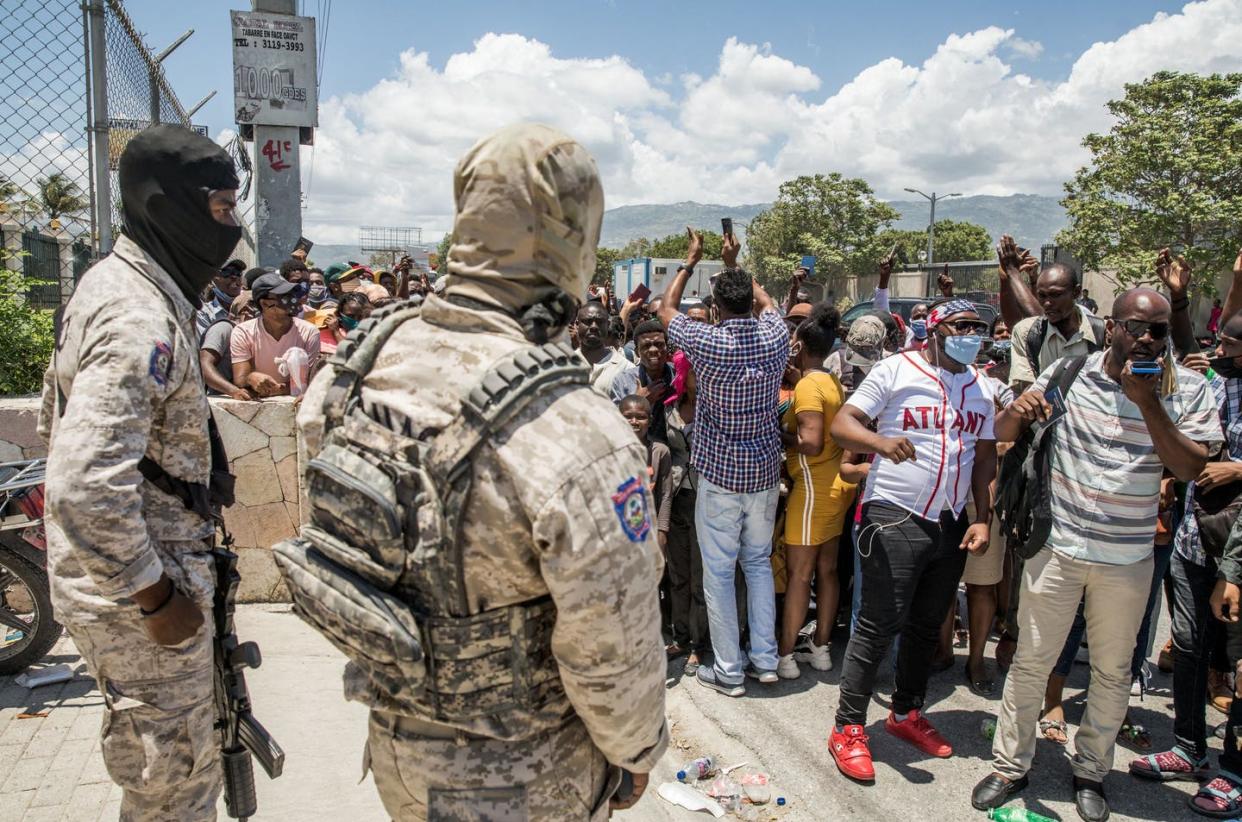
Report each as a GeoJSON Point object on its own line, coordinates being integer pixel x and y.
{"type": "Point", "coordinates": [1030, 49]}
{"type": "Point", "coordinates": [961, 120]}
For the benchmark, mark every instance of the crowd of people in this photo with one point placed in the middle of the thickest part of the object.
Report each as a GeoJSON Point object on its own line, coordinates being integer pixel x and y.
{"type": "Point", "coordinates": [796, 462]}
{"type": "Point", "coordinates": [263, 331]}
{"type": "Point", "coordinates": [1066, 468]}
{"type": "Point", "coordinates": [800, 462]}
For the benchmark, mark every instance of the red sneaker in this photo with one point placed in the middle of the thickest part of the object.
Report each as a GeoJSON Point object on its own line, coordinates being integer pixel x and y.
{"type": "Point", "coordinates": [919, 732]}
{"type": "Point", "coordinates": [850, 751]}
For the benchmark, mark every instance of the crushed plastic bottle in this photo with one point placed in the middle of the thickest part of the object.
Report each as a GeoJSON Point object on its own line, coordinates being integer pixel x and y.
{"type": "Point", "coordinates": [293, 366]}
{"type": "Point", "coordinates": [1016, 815]}
{"type": "Point", "coordinates": [697, 769]}
{"type": "Point", "coordinates": [988, 727]}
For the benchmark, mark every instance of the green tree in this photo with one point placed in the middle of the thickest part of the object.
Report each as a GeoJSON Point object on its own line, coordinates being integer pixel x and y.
{"type": "Point", "coordinates": [675, 246]}
{"type": "Point", "coordinates": [442, 251]}
{"type": "Point", "coordinates": [604, 259]}
{"type": "Point", "coordinates": [58, 195]}
{"type": "Point", "coordinates": [1168, 173]}
{"type": "Point", "coordinates": [25, 334]}
{"type": "Point", "coordinates": [10, 193]}
{"type": "Point", "coordinates": [955, 242]}
{"type": "Point", "coordinates": [833, 217]}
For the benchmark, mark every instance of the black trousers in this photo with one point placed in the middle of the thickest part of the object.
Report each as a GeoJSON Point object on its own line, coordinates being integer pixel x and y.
{"type": "Point", "coordinates": [1195, 632]}
{"type": "Point", "coordinates": [910, 570]}
{"type": "Point", "coordinates": [1231, 757]}
{"type": "Point", "coordinates": [685, 575]}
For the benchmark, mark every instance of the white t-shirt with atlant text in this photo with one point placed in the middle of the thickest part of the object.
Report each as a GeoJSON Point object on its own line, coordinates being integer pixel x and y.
{"type": "Point", "coordinates": [942, 414]}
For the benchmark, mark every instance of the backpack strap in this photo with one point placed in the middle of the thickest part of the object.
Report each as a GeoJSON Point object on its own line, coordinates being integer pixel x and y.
{"type": "Point", "coordinates": [1035, 343]}
{"type": "Point", "coordinates": [1098, 331]}
{"type": "Point", "coordinates": [1064, 373]}
{"type": "Point", "coordinates": [506, 389]}
{"type": "Point", "coordinates": [356, 355]}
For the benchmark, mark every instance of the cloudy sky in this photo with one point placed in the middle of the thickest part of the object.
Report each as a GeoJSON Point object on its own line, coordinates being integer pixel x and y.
{"type": "Point", "coordinates": [714, 102]}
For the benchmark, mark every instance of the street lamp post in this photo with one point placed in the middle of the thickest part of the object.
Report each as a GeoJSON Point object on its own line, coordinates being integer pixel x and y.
{"type": "Point", "coordinates": [931, 225]}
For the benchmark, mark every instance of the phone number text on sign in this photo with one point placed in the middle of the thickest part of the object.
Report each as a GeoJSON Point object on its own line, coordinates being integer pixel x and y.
{"type": "Point", "coordinates": [274, 69]}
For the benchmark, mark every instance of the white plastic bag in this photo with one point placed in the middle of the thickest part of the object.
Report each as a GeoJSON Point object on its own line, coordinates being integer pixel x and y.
{"type": "Point", "coordinates": [688, 798]}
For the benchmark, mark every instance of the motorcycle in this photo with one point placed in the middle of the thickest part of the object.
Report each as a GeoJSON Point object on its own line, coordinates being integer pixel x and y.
{"type": "Point", "coordinates": [28, 628]}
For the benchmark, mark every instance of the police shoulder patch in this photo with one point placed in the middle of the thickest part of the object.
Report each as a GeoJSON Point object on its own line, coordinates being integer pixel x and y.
{"type": "Point", "coordinates": [630, 503]}
{"type": "Point", "coordinates": [161, 363]}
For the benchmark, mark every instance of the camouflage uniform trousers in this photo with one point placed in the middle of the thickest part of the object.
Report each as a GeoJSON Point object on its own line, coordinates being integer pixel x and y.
{"type": "Point", "coordinates": [429, 771]}
{"type": "Point", "coordinates": [158, 737]}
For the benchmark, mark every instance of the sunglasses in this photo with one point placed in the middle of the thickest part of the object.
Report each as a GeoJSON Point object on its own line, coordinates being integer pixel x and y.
{"type": "Point", "coordinates": [967, 326]}
{"type": "Point", "coordinates": [1137, 328]}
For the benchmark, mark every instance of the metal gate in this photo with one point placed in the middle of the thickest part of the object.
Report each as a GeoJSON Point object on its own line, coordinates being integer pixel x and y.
{"type": "Point", "coordinates": [41, 262]}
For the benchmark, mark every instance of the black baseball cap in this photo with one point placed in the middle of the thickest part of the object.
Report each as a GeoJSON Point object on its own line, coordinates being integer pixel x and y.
{"type": "Point", "coordinates": [272, 284]}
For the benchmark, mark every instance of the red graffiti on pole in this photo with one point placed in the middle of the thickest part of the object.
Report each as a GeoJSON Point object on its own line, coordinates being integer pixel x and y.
{"type": "Point", "coordinates": [274, 151]}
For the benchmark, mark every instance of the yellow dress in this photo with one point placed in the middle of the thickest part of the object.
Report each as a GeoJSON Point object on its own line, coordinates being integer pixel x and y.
{"type": "Point", "coordinates": [819, 497]}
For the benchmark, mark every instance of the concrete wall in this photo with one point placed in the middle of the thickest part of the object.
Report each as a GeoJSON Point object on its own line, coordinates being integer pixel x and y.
{"type": "Point", "coordinates": [262, 444]}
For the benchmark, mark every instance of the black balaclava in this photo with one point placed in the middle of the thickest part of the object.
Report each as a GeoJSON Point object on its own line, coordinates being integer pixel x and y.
{"type": "Point", "coordinates": [166, 173]}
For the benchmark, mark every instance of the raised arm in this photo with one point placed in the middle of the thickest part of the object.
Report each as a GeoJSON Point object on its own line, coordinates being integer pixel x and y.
{"type": "Point", "coordinates": [1233, 300]}
{"type": "Point", "coordinates": [1175, 274]}
{"type": "Point", "coordinates": [670, 305]}
{"type": "Point", "coordinates": [1017, 302]}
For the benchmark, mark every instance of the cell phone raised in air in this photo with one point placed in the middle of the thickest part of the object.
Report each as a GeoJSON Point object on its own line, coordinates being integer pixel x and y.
{"type": "Point", "coordinates": [726, 226]}
{"type": "Point", "coordinates": [642, 292]}
{"type": "Point", "coordinates": [1146, 367]}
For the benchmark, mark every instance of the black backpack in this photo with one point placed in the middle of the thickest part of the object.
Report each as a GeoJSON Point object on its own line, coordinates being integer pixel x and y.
{"type": "Point", "coordinates": [1038, 331]}
{"type": "Point", "coordinates": [1024, 485]}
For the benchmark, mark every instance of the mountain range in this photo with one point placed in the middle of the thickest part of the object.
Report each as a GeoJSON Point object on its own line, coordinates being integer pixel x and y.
{"type": "Point", "coordinates": [1032, 219]}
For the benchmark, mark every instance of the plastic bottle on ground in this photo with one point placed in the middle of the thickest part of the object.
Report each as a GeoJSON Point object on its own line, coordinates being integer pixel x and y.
{"type": "Point", "coordinates": [988, 727]}
{"type": "Point", "coordinates": [1016, 815]}
{"type": "Point", "coordinates": [696, 769]}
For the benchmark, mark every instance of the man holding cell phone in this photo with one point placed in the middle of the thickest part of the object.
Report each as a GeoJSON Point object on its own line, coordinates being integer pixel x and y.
{"type": "Point", "coordinates": [1119, 432]}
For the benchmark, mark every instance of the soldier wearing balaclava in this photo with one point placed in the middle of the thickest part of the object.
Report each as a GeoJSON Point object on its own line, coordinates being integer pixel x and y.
{"type": "Point", "coordinates": [542, 674]}
{"type": "Point", "coordinates": [129, 564]}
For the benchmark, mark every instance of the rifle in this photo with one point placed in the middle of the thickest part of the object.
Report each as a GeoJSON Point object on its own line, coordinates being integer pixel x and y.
{"type": "Point", "coordinates": [240, 733]}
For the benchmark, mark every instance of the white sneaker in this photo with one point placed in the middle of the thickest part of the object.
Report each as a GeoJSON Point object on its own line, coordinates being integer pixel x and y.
{"type": "Point", "coordinates": [786, 668]}
{"type": "Point", "coordinates": [817, 656]}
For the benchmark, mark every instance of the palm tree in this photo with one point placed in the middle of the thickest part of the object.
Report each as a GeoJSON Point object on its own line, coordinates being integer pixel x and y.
{"type": "Point", "coordinates": [59, 195]}
{"type": "Point", "coordinates": [11, 194]}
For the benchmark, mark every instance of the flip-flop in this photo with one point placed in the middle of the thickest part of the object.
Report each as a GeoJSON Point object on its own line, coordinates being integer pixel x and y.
{"type": "Point", "coordinates": [1046, 725]}
{"type": "Point", "coordinates": [1224, 787]}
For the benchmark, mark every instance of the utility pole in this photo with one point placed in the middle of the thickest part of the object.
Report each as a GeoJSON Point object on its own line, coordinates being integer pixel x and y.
{"type": "Point", "coordinates": [267, 70]}
{"type": "Point", "coordinates": [931, 226]}
{"type": "Point", "coordinates": [99, 125]}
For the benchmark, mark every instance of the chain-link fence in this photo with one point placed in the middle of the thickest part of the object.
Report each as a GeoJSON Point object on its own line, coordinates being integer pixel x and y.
{"type": "Point", "coordinates": [138, 92]}
{"type": "Point", "coordinates": [45, 172]}
{"type": "Point", "coordinates": [77, 82]}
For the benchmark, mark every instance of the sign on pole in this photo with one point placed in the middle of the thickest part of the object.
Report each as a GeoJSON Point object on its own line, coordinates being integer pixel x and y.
{"type": "Point", "coordinates": [274, 70]}
{"type": "Point", "coordinates": [122, 130]}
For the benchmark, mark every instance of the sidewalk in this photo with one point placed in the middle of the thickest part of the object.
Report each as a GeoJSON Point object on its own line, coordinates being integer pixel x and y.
{"type": "Point", "coordinates": [51, 768]}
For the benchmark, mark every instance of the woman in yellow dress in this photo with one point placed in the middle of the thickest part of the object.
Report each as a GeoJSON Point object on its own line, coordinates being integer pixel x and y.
{"type": "Point", "coordinates": [818, 499]}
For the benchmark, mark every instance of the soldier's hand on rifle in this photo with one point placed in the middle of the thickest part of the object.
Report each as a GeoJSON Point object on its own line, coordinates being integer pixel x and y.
{"type": "Point", "coordinates": [169, 616]}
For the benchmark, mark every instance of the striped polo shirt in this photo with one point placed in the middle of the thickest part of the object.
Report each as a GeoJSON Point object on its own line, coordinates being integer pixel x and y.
{"type": "Point", "coordinates": [1105, 471]}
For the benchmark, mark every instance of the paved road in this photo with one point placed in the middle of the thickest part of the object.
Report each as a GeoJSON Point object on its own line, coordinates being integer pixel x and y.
{"type": "Point", "coordinates": [50, 768]}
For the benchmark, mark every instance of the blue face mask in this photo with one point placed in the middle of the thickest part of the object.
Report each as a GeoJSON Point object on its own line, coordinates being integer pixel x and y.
{"type": "Point", "coordinates": [920, 329]}
{"type": "Point", "coordinates": [964, 349]}
{"type": "Point", "coordinates": [348, 323]}
{"type": "Point", "coordinates": [224, 299]}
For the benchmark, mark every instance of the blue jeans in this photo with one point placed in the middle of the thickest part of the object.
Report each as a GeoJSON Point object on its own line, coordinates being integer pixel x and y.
{"type": "Point", "coordinates": [736, 529]}
{"type": "Point", "coordinates": [1162, 555]}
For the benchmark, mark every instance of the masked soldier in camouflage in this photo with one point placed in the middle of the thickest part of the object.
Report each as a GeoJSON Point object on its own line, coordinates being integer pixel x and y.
{"type": "Point", "coordinates": [512, 659]}
{"type": "Point", "coordinates": [130, 573]}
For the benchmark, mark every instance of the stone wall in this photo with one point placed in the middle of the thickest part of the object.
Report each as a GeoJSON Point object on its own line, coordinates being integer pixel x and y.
{"type": "Point", "coordinates": [261, 440]}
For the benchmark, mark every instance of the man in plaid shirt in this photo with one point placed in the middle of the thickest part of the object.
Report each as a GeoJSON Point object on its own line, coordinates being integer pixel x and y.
{"type": "Point", "coordinates": [738, 362]}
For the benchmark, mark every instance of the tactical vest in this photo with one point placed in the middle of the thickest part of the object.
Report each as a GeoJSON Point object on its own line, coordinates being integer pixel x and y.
{"type": "Point", "coordinates": [378, 569]}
